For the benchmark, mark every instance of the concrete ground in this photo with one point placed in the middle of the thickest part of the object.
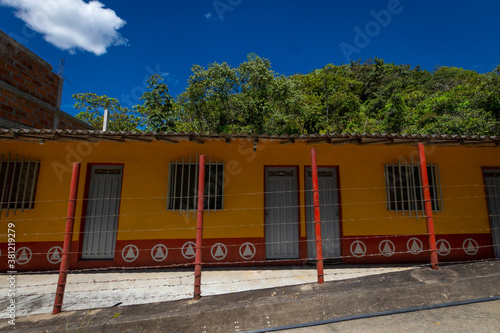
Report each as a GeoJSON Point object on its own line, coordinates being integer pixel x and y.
{"type": "Point", "coordinates": [35, 292]}
{"type": "Point", "coordinates": [478, 318]}
{"type": "Point", "coordinates": [264, 309]}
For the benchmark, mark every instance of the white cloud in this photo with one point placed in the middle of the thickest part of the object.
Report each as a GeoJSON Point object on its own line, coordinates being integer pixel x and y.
{"type": "Point", "coordinates": [71, 24]}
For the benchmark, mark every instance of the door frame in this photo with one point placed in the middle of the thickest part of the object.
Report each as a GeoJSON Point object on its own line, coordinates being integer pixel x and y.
{"type": "Point", "coordinates": [83, 220]}
{"type": "Point", "coordinates": [339, 197]}
{"type": "Point", "coordinates": [483, 169]}
{"type": "Point", "coordinates": [299, 222]}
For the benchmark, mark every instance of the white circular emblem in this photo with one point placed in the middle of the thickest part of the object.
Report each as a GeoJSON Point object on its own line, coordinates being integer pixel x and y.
{"type": "Point", "coordinates": [159, 252]}
{"type": "Point", "coordinates": [130, 253]}
{"type": "Point", "coordinates": [188, 250]}
{"type": "Point", "coordinates": [470, 246]}
{"type": "Point", "coordinates": [386, 248]}
{"type": "Point", "coordinates": [358, 248]}
{"type": "Point", "coordinates": [218, 251]}
{"type": "Point", "coordinates": [54, 255]}
{"type": "Point", "coordinates": [443, 247]}
{"type": "Point", "coordinates": [23, 255]}
{"type": "Point", "coordinates": [247, 250]}
{"type": "Point", "coordinates": [414, 245]}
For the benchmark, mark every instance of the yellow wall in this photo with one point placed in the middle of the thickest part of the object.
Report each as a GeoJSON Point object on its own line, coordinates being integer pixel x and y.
{"type": "Point", "coordinates": [144, 189]}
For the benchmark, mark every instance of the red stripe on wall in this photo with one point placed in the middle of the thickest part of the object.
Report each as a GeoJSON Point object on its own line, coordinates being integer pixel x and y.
{"type": "Point", "coordinates": [415, 249]}
{"type": "Point", "coordinates": [45, 256]}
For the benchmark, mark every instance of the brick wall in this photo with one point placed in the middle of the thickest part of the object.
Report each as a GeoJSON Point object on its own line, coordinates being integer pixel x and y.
{"type": "Point", "coordinates": [29, 90]}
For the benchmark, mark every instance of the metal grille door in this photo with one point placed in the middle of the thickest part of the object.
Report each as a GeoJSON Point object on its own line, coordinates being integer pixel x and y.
{"type": "Point", "coordinates": [282, 213]}
{"type": "Point", "coordinates": [329, 212]}
{"type": "Point", "coordinates": [103, 205]}
{"type": "Point", "coordinates": [492, 180]}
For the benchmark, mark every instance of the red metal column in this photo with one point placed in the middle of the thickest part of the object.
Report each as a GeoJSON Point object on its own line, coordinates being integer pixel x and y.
{"type": "Point", "coordinates": [317, 219]}
{"type": "Point", "coordinates": [68, 235]}
{"type": "Point", "coordinates": [428, 206]}
{"type": "Point", "coordinates": [199, 229]}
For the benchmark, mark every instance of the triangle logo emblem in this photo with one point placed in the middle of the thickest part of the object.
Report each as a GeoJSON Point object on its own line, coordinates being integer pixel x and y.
{"type": "Point", "coordinates": [23, 256]}
{"type": "Point", "coordinates": [130, 253]}
{"type": "Point", "coordinates": [189, 251]}
{"type": "Point", "coordinates": [55, 255]}
{"type": "Point", "coordinates": [443, 248]}
{"type": "Point", "coordinates": [471, 247]}
{"type": "Point", "coordinates": [219, 252]}
{"type": "Point", "coordinates": [415, 247]}
{"type": "Point", "coordinates": [358, 249]}
{"type": "Point", "coordinates": [387, 248]}
{"type": "Point", "coordinates": [248, 251]}
{"type": "Point", "coordinates": [159, 253]}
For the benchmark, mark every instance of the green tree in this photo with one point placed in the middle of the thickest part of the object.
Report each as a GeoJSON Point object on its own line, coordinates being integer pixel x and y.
{"type": "Point", "coordinates": [333, 100]}
{"type": "Point", "coordinates": [206, 102]}
{"type": "Point", "coordinates": [253, 102]}
{"type": "Point", "coordinates": [373, 96]}
{"type": "Point", "coordinates": [458, 111]}
{"type": "Point", "coordinates": [93, 105]}
{"type": "Point", "coordinates": [158, 108]}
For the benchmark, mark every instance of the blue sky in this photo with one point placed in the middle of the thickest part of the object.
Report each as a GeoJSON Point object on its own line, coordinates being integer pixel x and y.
{"type": "Point", "coordinates": [111, 48]}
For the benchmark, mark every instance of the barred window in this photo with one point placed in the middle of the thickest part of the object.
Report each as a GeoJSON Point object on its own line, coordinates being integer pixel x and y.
{"type": "Point", "coordinates": [183, 186]}
{"type": "Point", "coordinates": [18, 182]}
{"type": "Point", "coordinates": [404, 188]}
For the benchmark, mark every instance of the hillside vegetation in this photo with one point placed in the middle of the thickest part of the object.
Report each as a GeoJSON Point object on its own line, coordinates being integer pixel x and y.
{"type": "Point", "coordinates": [358, 97]}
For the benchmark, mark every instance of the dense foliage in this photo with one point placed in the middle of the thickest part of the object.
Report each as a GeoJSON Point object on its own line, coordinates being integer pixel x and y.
{"type": "Point", "coordinates": [358, 97]}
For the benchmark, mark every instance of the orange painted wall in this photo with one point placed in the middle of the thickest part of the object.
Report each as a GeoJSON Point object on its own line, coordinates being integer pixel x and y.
{"type": "Point", "coordinates": [145, 183]}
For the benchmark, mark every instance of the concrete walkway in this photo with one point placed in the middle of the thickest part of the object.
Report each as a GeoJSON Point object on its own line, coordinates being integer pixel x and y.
{"type": "Point", "coordinates": [477, 318]}
{"type": "Point", "coordinates": [264, 309]}
{"type": "Point", "coordinates": [35, 292]}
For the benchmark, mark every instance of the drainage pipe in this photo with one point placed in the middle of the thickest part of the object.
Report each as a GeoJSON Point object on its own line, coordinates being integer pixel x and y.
{"type": "Point", "coordinates": [375, 314]}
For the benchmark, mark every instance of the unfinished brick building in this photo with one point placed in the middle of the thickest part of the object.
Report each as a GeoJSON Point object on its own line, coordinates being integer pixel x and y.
{"type": "Point", "coordinates": [30, 92]}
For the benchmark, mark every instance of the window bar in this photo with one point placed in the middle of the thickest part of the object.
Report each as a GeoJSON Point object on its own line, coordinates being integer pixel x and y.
{"type": "Point", "coordinates": [182, 187]}
{"type": "Point", "coordinates": [11, 186]}
{"type": "Point", "coordinates": [189, 188]}
{"type": "Point", "coordinates": [414, 186]}
{"type": "Point", "coordinates": [174, 184]}
{"type": "Point", "coordinates": [222, 185]}
{"type": "Point", "coordinates": [16, 202]}
{"type": "Point", "coordinates": [434, 194]}
{"type": "Point", "coordinates": [401, 187]}
{"type": "Point", "coordinates": [408, 187]}
{"type": "Point", "coordinates": [196, 171]}
{"type": "Point", "coordinates": [421, 190]}
{"type": "Point", "coordinates": [5, 180]}
{"type": "Point", "coordinates": [26, 185]}
{"type": "Point", "coordinates": [387, 185]}
{"type": "Point", "coordinates": [1, 195]}
{"type": "Point", "coordinates": [216, 182]}
{"type": "Point", "coordinates": [208, 185]}
{"type": "Point", "coordinates": [440, 191]}
{"type": "Point", "coordinates": [169, 186]}
{"type": "Point", "coordinates": [394, 186]}
{"type": "Point", "coordinates": [33, 183]}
